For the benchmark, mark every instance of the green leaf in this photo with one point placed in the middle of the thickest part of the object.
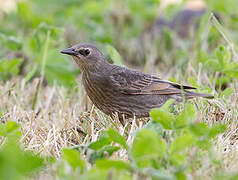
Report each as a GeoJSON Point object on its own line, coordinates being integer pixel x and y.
{"type": "Point", "coordinates": [185, 117]}
{"type": "Point", "coordinates": [108, 164]}
{"type": "Point", "coordinates": [232, 73]}
{"type": "Point", "coordinates": [110, 149]}
{"type": "Point", "coordinates": [61, 75]}
{"type": "Point", "coordinates": [204, 143]}
{"type": "Point", "coordinates": [181, 143]}
{"type": "Point", "coordinates": [199, 129]}
{"type": "Point", "coordinates": [11, 126]}
{"type": "Point", "coordinates": [35, 44]}
{"type": "Point", "coordinates": [102, 141]}
{"type": "Point", "coordinates": [13, 43]}
{"type": "Point", "coordinates": [232, 70]}
{"type": "Point", "coordinates": [2, 130]}
{"type": "Point", "coordinates": [163, 117]}
{"type": "Point", "coordinates": [30, 74]}
{"type": "Point", "coordinates": [116, 137]}
{"type": "Point", "coordinates": [213, 64]}
{"type": "Point", "coordinates": [227, 92]}
{"type": "Point", "coordinates": [95, 173]}
{"type": "Point", "coordinates": [31, 162]}
{"type": "Point", "coordinates": [177, 159]}
{"type": "Point", "coordinates": [216, 129]}
{"type": "Point", "coordinates": [115, 56]}
{"type": "Point", "coordinates": [101, 153]}
{"type": "Point", "coordinates": [9, 67]}
{"type": "Point", "coordinates": [167, 105]}
{"type": "Point", "coordinates": [24, 11]}
{"type": "Point", "coordinates": [156, 127]}
{"type": "Point", "coordinates": [193, 82]}
{"type": "Point", "coordinates": [146, 147]}
{"type": "Point", "coordinates": [180, 175]}
{"type": "Point", "coordinates": [16, 163]}
{"type": "Point", "coordinates": [73, 158]}
{"type": "Point", "coordinates": [219, 55]}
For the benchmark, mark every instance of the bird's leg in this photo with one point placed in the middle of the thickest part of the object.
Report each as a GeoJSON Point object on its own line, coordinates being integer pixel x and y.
{"type": "Point", "coordinates": [121, 119]}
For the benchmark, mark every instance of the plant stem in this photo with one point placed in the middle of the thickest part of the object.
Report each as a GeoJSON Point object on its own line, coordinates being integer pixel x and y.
{"type": "Point", "coordinates": [45, 54]}
{"type": "Point", "coordinates": [219, 27]}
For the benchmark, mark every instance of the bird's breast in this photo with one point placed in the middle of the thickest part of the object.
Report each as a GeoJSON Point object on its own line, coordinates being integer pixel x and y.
{"type": "Point", "coordinates": [98, 91]}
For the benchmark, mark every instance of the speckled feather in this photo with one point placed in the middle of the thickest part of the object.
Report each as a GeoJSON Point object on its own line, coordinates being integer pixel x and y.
{"type": "Point", "coordinates": [115, 89]}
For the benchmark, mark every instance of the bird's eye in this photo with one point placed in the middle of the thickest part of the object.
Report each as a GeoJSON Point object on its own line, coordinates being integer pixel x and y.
{"type": "Point", "coordinates": [84, 52]}
{"type": "Point", "coordinates": [87, 51]}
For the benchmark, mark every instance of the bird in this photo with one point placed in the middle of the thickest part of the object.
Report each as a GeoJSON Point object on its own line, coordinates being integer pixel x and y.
{"type": "Point", "coordinates": [122, 91]}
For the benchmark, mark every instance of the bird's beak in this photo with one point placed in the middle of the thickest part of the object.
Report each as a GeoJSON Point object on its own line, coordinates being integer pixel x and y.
{"type": "Point", "coordinates": [69, 51]}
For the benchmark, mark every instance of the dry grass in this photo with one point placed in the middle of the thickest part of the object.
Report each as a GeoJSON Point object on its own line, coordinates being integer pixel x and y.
{"type": "Point", "coordinates": [61, 118]}
{"type": "Point", "coordinates": [58, 117]}
{"type": "Point", "coordinates": [65, 118]}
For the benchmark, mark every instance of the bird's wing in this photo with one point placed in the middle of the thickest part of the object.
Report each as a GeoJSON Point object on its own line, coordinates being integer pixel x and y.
{"type": "Point", "coordinates": [133, 82]}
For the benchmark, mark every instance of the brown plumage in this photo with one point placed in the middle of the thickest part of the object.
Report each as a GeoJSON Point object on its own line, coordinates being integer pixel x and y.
{"type": "Point", "coordinates": [115, 89]}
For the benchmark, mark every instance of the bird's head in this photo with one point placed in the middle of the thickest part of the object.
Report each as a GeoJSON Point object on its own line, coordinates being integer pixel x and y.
{"type": "Point", "coordinates": [87, 56]}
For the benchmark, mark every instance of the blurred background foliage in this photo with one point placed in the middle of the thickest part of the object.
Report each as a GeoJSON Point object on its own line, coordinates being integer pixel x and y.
{"type": "Point", "coordinates": [144, 32]}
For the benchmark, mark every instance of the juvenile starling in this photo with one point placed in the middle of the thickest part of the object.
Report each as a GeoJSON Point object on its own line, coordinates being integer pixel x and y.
{"type": "Point", "coordinates": [114, 89]}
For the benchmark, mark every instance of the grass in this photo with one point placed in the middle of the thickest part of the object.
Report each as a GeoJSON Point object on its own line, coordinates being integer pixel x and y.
{"type": "Point", "coordinates": [65, 118]}
{"type": "Point", "coordinates": [60, 128]}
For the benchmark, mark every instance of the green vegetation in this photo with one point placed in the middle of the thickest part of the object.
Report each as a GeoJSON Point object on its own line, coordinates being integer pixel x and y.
{"type": "Point", "coordinates": [48, 128]}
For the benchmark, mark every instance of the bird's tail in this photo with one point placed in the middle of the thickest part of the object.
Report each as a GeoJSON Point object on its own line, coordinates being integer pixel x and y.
{"type": "Point", "coordinates": [191, 94]}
